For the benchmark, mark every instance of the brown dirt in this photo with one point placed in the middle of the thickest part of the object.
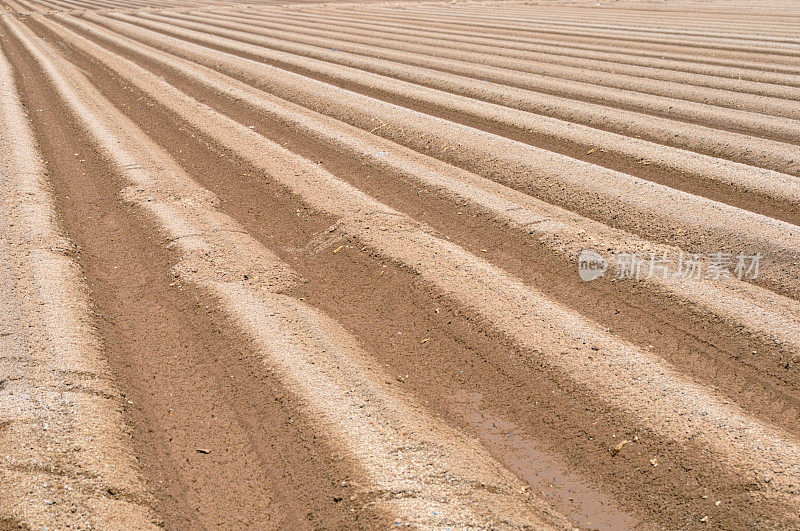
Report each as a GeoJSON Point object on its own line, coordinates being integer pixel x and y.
{"type": "Point", "coordinates": [189, 380]}
{"type": "Point", "coordinates": [193, 381]}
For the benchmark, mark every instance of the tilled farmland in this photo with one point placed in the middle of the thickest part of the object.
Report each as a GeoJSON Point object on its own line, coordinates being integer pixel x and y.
{"type": "Point", "coordinates": [361, 265]}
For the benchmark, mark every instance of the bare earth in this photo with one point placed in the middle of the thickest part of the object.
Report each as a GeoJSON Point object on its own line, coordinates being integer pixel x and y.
{"type": "Point", "coordinates": [310, 265]}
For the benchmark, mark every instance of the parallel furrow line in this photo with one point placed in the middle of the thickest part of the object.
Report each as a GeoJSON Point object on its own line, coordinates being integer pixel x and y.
{"type": "Point", "coordinates": [775, 185]}
{"type": "Point", "coordinates": [78, 431]}
{"type": "Point", "coordinates": [612, 197]}
{"type": "Point", "coordinates": [612, 26]}
{"type": "Point", "coordinates": [564, 233]}
{"type": "Point", "coordinates": [449, 479]}
{"type": "Point", "coordinates": [770, 154]}
{"type": "Point", "coordinates": [765, 54]}
{"type": "Point", "coordinates": [700, 60]}
{"type": "Point", "coordinates": [627, 378]}
{"type": "Point", "coordinates": [493, 48]}
{"type": "Point", "coordinates": [539, 77]}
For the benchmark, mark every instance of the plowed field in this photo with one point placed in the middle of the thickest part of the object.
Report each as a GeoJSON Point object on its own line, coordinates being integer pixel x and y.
{"type": "Point", "coordinates": [361, 265]}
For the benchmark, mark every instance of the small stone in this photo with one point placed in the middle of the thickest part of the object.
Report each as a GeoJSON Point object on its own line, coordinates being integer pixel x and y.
{"type": "Point", "coordinates": [618, 448]}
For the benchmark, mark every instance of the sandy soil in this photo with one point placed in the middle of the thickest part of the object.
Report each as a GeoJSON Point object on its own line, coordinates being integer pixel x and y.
{"type": "Point", "coordinates": [301, 265]}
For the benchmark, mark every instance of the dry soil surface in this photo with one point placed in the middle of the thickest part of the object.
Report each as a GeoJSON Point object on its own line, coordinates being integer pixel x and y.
{"type": "Point", "coordinates": [309, 265]}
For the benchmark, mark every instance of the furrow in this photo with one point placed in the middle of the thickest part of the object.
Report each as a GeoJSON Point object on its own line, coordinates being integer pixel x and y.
{"type": "Point", "coordinates": [764, 54]}
{"type": "Point", "coordinates": [538, 77]}
{"type": "Point", "coordinates": [627, 378]}
{"type": "Point", "coordinates": [636, 25]}
{"type": "Point", "coordinates": [590, 67]}
{"type": "Point", "coordinates": [63, 5]}
{"type": "Point", "coordinates": [634, 151]}
{"type": "Point", "coordinates": [644, 17]}
{"type": "Point", "coordinates": [562, 231]}
{"type": "Point", "coordinates": [21, 6]}
{"type": "Point", "coordinates": [438, 476]}
{"type": "Point", "coordinates": [581, 23]}
{"type": "Point", "coordinates": [432, 265]}
{"type": "Point", "coordinates": [780, 127]}
{"type": "Point", "coordinates": [33, 6]}
{"type": "Point", "coordinates": [65, 458]}
{"type": "Point", "coordinates": [695, 62]}
{"type": "Point", "coordinates": [768, 154]}
{"type": "Point", "coordinates": [694, 223]}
